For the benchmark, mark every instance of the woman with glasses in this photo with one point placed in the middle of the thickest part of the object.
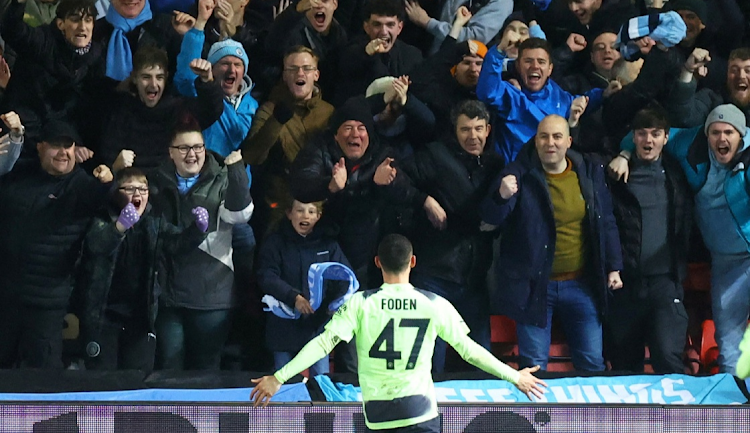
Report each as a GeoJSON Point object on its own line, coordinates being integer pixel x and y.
{"type": "Point", "coordinates": [195, 301]}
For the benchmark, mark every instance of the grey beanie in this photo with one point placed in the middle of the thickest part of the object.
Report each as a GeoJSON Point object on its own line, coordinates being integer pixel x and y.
{"type": "Point", "coordinates": [727, 113]}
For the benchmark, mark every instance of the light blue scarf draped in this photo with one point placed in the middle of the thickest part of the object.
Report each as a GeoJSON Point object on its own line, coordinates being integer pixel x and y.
{"type": "Point", "coordinates": [119, 55]}
{"type": "Point", "coordinates": [316, 275]}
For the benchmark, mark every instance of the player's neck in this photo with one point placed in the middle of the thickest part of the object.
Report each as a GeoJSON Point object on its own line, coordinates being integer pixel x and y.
{"type": "Point", "coordinates": [402, 278]}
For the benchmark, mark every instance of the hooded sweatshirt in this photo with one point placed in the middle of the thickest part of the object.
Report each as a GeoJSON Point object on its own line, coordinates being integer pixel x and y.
{"type": "Point", "coordinates": [226, 134]}
{"type": "Point", "coordinates": [714, 218]}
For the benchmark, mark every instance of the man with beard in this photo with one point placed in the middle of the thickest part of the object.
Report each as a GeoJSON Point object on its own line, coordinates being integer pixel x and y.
{"type": "Point", "coordinates": [377, 54]}
{"type": "Point", "coordinates": [310, 23]}
{"type": "Point", "coordinates": [48, 203]}
{"type": "Point", "coordinates": [294, 113]}
{"type": "Point", "coordinates": [690, 107]}
{"type": "Point", "coordinates": [718, 38]}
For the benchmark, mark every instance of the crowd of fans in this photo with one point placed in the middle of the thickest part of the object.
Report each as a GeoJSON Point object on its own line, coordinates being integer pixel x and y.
{"type": "Point", "coordinates": [549, 160]}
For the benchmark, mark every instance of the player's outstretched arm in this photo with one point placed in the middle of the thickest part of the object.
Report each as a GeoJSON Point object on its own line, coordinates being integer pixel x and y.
{"type": "Point", "coordinates": [480, 357]}
{"type": "Point", "coordinates": [316, 349]}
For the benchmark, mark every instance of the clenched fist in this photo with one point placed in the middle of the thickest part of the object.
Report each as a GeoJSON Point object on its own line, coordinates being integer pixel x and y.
{"type": "Point", "coordinates": [233, 158]}
{"type": "Point", "coordinates": [124, 160]}
{"type": "Point", "coordinates": [202, 68]}
{"type": "Point", "coordinates": [508, 187]}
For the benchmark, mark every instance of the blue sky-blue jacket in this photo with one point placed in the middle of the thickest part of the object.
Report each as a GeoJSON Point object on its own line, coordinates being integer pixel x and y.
{"type": "Point", "coordinates": [520, 111]}
{"type": "Point", "coordinates": [690, 147]}
{"type": "Point", "coordinates": [227, 133]}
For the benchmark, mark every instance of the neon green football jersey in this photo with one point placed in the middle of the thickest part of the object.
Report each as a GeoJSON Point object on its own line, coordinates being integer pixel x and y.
{"type": "Point", "coordinates": [396, 327]}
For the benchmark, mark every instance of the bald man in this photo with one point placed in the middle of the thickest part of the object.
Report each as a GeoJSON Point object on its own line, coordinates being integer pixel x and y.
{"type": "Point", "coordinates": [560, 250]}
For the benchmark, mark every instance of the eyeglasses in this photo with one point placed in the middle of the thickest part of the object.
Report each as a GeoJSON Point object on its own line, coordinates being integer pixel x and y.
{"type": "Point", "coordinates": [185, 149]}
{"type": "Point", "coordinates": [130, 190]}
{"type": "Point", "coordinates": [306, 69]}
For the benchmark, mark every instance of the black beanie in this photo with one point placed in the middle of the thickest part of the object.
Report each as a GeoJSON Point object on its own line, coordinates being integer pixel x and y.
{"type": "Point", "coordinates": [356, 108]}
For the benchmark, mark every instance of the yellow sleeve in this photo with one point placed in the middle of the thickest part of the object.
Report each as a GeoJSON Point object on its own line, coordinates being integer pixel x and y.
{"type": "Point", "coordinates": [743, 365]}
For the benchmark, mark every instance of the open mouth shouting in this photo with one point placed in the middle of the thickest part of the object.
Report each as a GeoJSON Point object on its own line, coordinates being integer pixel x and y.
{"type": "Point", "coordinates": [320, 20]}
{"type": "Point", "coordinates": [230, 84]}
{"type": "Point", "coordinates": [534, 80]}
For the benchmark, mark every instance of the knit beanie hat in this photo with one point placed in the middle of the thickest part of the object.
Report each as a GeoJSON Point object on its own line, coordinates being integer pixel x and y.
{"type": "Point", "coordinates": [227, 47]}
{"type": "Point", "coordinates": [356, 108]}
{"type": "Point", "coordinates": [727, 113]}
{"type": "Point", "coordinates": [481, 52]}
{"type": "Point", "coordinates": [698, 7]}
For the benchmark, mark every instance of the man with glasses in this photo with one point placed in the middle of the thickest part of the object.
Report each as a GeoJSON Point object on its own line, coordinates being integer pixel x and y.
{"type": "Point", "coordinates": [196, 296]}
{"type": "Point", "coordinates": [294, 113]}
{"type": "Point", "coordinates": [47, 204]}
{"type": "Point", "coordinates": [310, 23]}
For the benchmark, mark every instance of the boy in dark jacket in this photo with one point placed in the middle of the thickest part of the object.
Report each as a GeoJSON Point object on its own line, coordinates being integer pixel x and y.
{"type": "Point", "coordinates": [122, 265]}
{"type": "Point", "coordinates": [284, 261]}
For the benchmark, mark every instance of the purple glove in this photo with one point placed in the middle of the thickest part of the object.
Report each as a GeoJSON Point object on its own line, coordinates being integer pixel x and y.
{"type": "Point", "coordinates": [128, 216]}
{"type": "Point", "coordinates": [201, 218]}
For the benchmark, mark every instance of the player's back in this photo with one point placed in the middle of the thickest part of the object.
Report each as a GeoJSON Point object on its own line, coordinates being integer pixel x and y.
{"type": "Point", "coordinates": [396, 327]}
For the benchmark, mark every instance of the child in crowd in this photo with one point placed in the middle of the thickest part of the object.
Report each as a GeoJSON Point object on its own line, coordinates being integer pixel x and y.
{"type": "Point", "coordinates": [284, 261]}
{"type": "Point", "coordinates": [124, 269]}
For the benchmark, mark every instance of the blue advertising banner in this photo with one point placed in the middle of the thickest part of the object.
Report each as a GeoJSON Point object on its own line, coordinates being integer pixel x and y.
{"type": "Point", "coordinates": [288, 393]}
{"type": "Point", "coordinates": [679, 389]}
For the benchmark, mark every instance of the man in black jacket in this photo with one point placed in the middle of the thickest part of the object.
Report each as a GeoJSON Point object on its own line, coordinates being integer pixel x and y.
{"type": "Point", "coordinates": [449, 179]}
{"type": "Point", "coordinates": [47, 205]}
{"type": "Point", "coordinates": [347, 168]}
{"type": "Point", "coordinates": [53, 65]}
{"type": "Point", "coordinates": [141, 117]}
{"type": "Point", "coordinates": [377, 54]}
{"type": "Point", "coordinates": [653, 212]}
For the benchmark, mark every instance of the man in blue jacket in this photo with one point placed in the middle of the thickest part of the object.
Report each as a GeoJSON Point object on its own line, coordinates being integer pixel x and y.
{"type": "Point", "coordinates": [519, 110]}
{"type": "Point", "coordinates": [715, 161]}
{"type": "Point", "coordinates": [560, 250]}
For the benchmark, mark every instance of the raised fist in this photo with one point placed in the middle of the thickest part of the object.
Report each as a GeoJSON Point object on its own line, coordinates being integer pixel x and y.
{"type": "Point", "coordinates": [202, 68]}
{"type": "Point", "coordinates": [508, 187]}
{"type": "Point", "coordinates": [201, 218]}
{"type": "Point", "coordinates": [128, 216]}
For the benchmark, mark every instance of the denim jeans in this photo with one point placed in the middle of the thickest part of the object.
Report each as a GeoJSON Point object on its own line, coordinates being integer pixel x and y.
{"type": "Point", "coordinates": [188, 339]}
{"type": "Point", "coordinates": [321, 366]}
{"type": "Point", "coordinates": [471, 303]}
{"type": "Point", "coordinates": [572, 302]}
{"type": "Point", "coordinates": [730, 305]}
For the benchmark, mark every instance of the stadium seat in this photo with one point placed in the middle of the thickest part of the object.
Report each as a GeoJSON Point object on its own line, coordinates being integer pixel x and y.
{"type": "Point", "coordinates": [709, 349]}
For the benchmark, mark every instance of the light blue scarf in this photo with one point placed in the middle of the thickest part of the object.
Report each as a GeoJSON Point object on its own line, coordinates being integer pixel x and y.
{"type": "Point", "coordinates": [119, 55]}
{"type": "Point", "coordinates": [316, 275]}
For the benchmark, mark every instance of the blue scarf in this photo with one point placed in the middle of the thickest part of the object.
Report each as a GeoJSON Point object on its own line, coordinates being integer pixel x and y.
{"type": "Point", "coordinates": [119, 55]}
{"type": "Point", "coordinates": [316, 275]}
